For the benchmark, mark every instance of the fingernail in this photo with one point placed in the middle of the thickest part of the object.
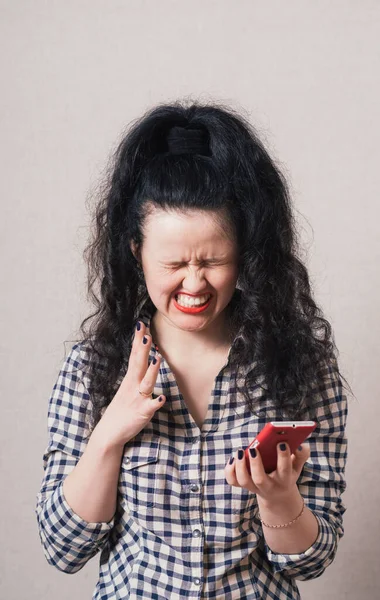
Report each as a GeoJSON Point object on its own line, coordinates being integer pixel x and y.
{"type": "Point", "coordinates": [232, 460]}
{"type": "Point", "coordinates": [299, 447]}
{"type": "Point", "coordinates": [138, 326]}
{"type": "Point", "coordinates": [160, 398]}
{"type": "Point", "coordinates": [252, 452]}
{"type": "Point", "coordinates": [145, 339]}
{"type": "Point", "coordinates": [240, 454]}
{"type": "Point", "coordinates": [283, 447]}
{"type": "Point", "coordinates": [154, 360]}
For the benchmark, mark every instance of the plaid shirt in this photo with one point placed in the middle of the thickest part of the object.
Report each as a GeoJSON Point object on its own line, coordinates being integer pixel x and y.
{"type": "Point", "coordinates": [180, 530]}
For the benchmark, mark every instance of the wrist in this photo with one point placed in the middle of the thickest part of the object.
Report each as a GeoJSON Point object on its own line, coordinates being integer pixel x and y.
{"type": "Point", "coordinates": [282, 506]}
{"type": "Point", "coordinates": [104, 443]}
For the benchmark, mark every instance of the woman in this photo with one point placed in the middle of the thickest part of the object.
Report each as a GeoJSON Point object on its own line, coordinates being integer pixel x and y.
{"type": "Point", "coordinates": [205, 330]}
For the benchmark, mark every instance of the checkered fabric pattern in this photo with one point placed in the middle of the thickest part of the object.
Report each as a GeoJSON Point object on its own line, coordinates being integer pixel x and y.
{"type": "Point", "coordinates": [180, 530]}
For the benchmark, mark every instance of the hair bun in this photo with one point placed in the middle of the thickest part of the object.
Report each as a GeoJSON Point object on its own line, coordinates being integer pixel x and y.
{"type": "Point", "coordinates": [184, 140]}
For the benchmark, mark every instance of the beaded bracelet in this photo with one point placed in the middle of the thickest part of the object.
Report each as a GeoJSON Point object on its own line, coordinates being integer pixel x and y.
{"type": "Point", "coordinates": [285, 524]}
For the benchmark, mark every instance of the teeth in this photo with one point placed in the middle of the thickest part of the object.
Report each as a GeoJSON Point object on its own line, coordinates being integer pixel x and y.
{"type": "Point", "coordinates": [184, 300]}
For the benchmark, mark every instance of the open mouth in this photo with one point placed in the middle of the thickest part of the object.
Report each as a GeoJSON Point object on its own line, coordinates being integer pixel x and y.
{"type": "Point", "coordinates": [186, 302]}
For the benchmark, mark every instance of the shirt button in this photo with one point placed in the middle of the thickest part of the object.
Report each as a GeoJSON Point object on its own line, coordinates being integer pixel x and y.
{"type": "Point", "coordinates": [197, 532]}
{"type": "Point", "coordinates": [127, 460]}
{"type": "Point", "coordinates": [194, 487]}
{"type": "Point", "coordinates": [195, 440]}
{"type": "Point", "coordinates": [196, 580]}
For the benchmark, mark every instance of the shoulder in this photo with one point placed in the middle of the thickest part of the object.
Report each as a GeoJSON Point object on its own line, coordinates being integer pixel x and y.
{"type": "Point", "coordinates": [82, 355]}
{"type": "Point", "coordinates": [331, 404]}
{"type": "Point", "coordinates": [80, 360]}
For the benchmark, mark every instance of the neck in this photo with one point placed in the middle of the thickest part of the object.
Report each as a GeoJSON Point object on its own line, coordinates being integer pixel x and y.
{"type": "Point", "coordinates": [173, 341]}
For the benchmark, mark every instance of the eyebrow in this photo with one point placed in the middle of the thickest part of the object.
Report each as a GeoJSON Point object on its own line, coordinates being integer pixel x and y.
{"type": "Point", "coordinates": [178, 262]}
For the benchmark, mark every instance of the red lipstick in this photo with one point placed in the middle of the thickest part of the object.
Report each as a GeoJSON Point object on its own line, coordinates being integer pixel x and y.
{"type": "Point", "coordinates": [192, 309]}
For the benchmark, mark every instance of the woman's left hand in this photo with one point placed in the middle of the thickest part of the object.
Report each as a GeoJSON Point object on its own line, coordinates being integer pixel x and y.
{"type": "Point", "coordinates": [271, 487]}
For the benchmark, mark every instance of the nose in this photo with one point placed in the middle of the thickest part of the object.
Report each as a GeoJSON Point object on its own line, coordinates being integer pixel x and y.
{"type": "Point", "coordinates": [195, 281]}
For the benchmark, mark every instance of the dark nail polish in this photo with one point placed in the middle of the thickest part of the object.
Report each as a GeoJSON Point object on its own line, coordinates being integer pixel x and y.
{"type": "Point", "coordinates": [252, 452]}
{"type": "Point", "coordinates": [138, 326]}
{"type": "Point", "coordinates": [299, 447]}
{"type": "Point", "coordinates": [145, 339]}
{"type": "Point", "coordinates": [154, 360]}
{"type": "Point", "coordinates": [283, 447]}
{"type": "Point", "coordinates": [232, 460]}
{"type": "Point", "coordinates": [240, 454]}
{"type": "Point", "coordinates": [160, 398]}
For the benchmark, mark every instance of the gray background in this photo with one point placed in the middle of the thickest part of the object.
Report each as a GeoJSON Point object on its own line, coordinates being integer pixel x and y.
{"type": "Point", "coordinates": [73, 75]}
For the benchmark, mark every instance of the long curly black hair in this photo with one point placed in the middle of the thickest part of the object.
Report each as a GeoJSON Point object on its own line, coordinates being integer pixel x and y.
{"type": "Point", "coordinates": [285, 337]}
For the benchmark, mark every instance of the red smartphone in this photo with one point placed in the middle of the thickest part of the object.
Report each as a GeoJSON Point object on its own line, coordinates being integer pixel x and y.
{"type": "Point", "coordinates": [292, 432]}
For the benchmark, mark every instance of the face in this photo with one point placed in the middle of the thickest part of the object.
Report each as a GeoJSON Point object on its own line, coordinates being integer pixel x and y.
{"type": "Point", "coordinates": [186, 256]}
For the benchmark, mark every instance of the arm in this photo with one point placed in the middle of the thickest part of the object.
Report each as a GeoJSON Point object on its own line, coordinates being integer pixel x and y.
{"type": "Point", "coordinates": [297, 537]}
{"type": "Point", "coordinates": [321, 484]}
{"type": "Point", "coordinates": [91, 487]}
{"type": "Point", "coordinates": [77, 500]}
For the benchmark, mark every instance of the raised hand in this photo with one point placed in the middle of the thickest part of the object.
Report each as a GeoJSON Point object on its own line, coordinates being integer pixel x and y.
{"type": "Point", "coordinates": [129, 411]}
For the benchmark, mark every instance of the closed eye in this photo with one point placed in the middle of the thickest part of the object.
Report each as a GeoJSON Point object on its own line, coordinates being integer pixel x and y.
{"type": "Point", "coordinates": [205, 264]}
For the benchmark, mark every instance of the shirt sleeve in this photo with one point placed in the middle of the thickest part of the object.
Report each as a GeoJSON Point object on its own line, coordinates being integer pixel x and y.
{"type": "Point", "coordinates": [321, 483]}
{"type": "Point", "coordinates": [68, 540]}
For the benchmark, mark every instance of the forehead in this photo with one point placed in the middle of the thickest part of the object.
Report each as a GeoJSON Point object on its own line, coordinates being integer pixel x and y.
{"type": "Point", "coordinates": [191, 226]}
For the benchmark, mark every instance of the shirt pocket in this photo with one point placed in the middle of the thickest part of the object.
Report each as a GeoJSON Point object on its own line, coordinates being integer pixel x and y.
{"type": "Point", "coordinates": [137, 483]}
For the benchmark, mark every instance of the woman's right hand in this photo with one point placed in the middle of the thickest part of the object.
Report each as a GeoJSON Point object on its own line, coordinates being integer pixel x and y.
{"type": "Point", "coordinates": [129, 412]}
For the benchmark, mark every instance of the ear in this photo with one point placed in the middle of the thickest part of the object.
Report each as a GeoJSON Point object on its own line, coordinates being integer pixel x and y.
{"type": "Point", "coordinates": [133, 248]}
{"type": "Point", "coordinates": [135, 251]}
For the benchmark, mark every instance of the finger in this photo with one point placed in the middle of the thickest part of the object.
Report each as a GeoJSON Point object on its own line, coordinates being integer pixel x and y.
{"type": "Point", "coordinates": [302, 454]}
{"type": "Point", "coordinates": [140, 364]}
{"type": "Point", "coordinates": [138, 335]}
{"type": "Point", "coordinates": [284, 461]}
{"type": "Point", "coordinates": [243, 476]}
{"type": "Point", "coordinates": [148, 382]}
{"type": "Point", "coordinates": [229, 472]}
{"type": "Point", "coordinates": [258, 474]}
{"type": "Point", "coordinates": [134, 359]}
